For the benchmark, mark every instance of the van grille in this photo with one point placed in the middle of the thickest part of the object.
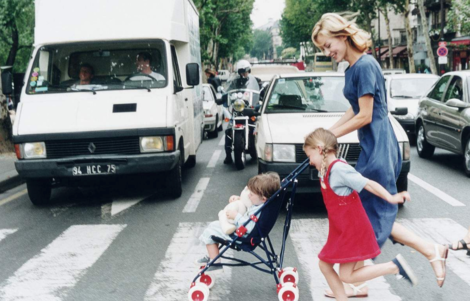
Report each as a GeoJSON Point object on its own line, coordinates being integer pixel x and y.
{"type": "Point", "coordinates": [350, 152]}
{"type": "Point", "coordinates": [94, 146]}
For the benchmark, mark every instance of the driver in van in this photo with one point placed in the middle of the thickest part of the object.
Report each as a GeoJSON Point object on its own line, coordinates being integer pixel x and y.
{"type": "Point", "coordinates": [85, 74]}
{"type": "Point", "coordinates": [144, 63]}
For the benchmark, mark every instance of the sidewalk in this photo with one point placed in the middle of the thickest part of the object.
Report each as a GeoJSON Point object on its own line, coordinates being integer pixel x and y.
{"type": "Point", "coordinates": [9, 178]}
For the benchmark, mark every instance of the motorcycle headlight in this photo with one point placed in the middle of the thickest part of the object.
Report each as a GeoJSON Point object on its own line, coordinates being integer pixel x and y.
{"type": "Point", "coordinates": [246, 96]}
{"type": "Point", "coordinates": [283, 153]}
{"type": "Point", "coordinates": [233, 96]}
{"type": "Point", "coordinates": [240, 95]}
{"type": "Point", "coordinates": [239, 105]}
{"type": "Point", "coordinates": [36, 150]}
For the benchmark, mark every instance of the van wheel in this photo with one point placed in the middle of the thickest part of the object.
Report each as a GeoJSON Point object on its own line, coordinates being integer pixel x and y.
{"type": "Point", "coordinates": [39, 191]}
{"type": "Point", "coordinates": [467, 156]}
{"type": "Point", "coordinates": [175, 179]}
{"type": "Point", "coordinates": [191, 161]}
{"type": "Point", "coordinates": [425, 150]}
{"type": "Point", "coordinates": [239, 150]}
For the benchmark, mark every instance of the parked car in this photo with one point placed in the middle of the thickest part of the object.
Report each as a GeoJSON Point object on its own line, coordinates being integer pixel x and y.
{"type": "Point", "coordinates": [213, 114]}
{"type": "Point", "coordinates": [403, 92]}
{"type": "Point", "coordinates": [297, 104]}
{"type": "Point", "coordinates": [444, 117]}
{"type": "Point", "coordinates": [223, 74]}
{"type": "Point", "coordinates": [393, 71]}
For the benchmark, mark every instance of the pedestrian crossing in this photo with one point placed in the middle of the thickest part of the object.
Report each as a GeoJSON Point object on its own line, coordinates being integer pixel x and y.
{"type": "Point", "coordinates": [56, 270]}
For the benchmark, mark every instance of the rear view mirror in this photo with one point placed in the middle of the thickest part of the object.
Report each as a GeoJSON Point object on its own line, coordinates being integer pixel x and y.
{"type": "Point", "coordinates": [400, 111]}
{"type": "Point", "coordinates": [7, 81]}
{"type": "Point", "coordinates": [192, 74]}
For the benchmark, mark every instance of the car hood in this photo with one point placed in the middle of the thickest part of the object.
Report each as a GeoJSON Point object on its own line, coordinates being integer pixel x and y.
{"type": "Point", "coordinates": [292, 128]}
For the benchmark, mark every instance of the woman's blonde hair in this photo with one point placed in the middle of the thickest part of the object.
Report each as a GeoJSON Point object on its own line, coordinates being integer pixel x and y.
{"type": "Point", "coordinates": [334, 25]}
{"type": "Point", "coordinates": [324, 138]}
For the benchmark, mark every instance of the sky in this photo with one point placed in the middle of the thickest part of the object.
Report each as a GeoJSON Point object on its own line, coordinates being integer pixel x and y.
{"type": "Point", "coordinates": [265, 9]}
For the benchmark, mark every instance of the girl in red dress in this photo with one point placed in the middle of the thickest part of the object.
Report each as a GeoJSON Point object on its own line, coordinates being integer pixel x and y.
{"type": "Point", "coordinates": [351, 237]}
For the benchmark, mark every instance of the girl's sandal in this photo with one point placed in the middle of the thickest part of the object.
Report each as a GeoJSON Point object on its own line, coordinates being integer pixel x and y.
{"type": "Point", "coordinates": [464, 246]}
{"type": "Point", "coordinates": [357, 293]}
{"type": "Point", "coordinates": [443, 263]}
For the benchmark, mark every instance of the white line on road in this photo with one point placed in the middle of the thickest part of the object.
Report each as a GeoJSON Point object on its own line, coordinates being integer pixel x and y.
{"type": "Point", "coordinates": [214, 159]}
{"type": "Point", "coordinates": [308, 244]}
{"type": "Point", "coordinates": [437, 192]}
{"type": "Point", "coordinates": [12, 197]}
{"type": "Point", "coordinates": [5, 232]}
{"type": "Point", "coordinates": [176, 272]}
{"type": "Point", "coordinates": [222, 141]}
{"type": "Point", "coordinates": [51, 274]}
{"type": "Point", "coordinates": [196, 197]}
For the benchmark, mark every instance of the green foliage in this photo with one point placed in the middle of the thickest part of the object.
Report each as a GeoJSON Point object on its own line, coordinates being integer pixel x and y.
{"type": "Point", "coordinates": [279, 50]}
{"type": "Point", "coordinates": [262, 44]}
{"type": "Point", "coordinates": [459, 17]}
{"type": "Point", "coordinates": [16, 20]}
{"type": "Point", "coordinates": [288, 53]}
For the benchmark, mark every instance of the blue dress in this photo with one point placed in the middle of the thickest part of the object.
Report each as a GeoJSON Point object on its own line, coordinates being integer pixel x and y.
{"type": "Point", "coordinates": [380, 158]}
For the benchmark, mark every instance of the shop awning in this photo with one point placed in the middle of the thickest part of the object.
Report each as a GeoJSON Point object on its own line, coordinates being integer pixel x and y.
{"type": "Point", "coordinates": [461, 41]}
{"type": "Point", "coordinates": [398, 51]}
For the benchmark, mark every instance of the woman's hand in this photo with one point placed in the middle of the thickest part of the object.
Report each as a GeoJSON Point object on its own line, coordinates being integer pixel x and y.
{"type": "Point", "coordinates": [400, 198]}
{"type": "Point", "coordinates": [233, 198]}
{"type": "Point", "coordinates": [231, 214]}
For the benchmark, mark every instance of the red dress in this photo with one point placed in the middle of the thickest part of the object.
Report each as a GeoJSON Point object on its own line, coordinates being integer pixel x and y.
{"type": "Point", "coordinates": [351, 237]}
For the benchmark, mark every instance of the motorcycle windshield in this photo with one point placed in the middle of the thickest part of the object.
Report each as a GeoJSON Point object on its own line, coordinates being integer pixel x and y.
{"type": "Point", "coordinates": [249, 97]}
{"type": "Point", "coordinates": [243, 88]}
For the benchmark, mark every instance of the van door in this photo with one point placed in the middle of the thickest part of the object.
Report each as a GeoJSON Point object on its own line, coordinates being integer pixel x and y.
{"type": "Point", "coordinates": [181, 105]}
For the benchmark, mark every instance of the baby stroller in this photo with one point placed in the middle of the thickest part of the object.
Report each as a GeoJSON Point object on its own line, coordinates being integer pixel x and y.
{"type": "Point", "coordinates": [286, 278]}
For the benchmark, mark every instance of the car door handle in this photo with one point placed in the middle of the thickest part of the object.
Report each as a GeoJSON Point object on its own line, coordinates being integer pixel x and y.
{"type": "Point", "coordinates": [185, 99]}
{"type": "Point", "coordinates": [439, 113]}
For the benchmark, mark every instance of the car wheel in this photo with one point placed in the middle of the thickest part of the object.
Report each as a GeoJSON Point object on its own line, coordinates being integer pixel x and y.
{"type": "Point", "coordinates": [39, 191]}
{"type": "Point", "coordinates": [467, 156]}
{"type": "Point", "coordinates": [425, 150]}
{"type": "Point", "coordinates": [174, 180]}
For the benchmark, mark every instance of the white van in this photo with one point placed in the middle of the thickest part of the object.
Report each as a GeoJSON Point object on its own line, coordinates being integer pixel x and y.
{"type": "Point", "coordinates": [122, 121]}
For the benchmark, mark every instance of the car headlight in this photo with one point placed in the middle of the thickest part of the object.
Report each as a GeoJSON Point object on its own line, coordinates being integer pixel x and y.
{"type": "Point", "coordinates": [239, 105]}
{"type": "Point", "coordinates": [156, 144]}
{"type": "Point", "coordinates": [406, 151]}
{"type": "Point", "coordinates": [283, 153]}
{"type": "Point", "coordinates": [34, 150]}
{"type": "Point", "coordinates": [268, 152]}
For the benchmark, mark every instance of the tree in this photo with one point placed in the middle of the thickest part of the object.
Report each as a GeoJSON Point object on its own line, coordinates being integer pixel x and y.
{"type": "Point", "coordinates": [262, 44]}
{"type": "Point", "coordinates": [288, 53]}
{"type": "Point", "coordinates": [424, 22]}
{"type": "Point", "coordinates": [459, 17]}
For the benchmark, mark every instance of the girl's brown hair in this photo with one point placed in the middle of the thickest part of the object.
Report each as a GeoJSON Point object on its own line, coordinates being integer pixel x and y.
{"type": "Point", "coordinates": [334, 25]}
{"type": "Point", "coordinates": [328, 142]}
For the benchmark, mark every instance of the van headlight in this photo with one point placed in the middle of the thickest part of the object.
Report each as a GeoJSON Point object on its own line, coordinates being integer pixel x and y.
{"type": "Point", "coordinates": [283, 153]}
{"type": "Point", "coordinates": [239, 105]}
{"type": "Point", "coordinates": [156, 144]}
{"type": "Point", "coordinates": [34, 150]}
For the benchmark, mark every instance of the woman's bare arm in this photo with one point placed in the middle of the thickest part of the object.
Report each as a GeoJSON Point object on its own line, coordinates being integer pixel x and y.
{"type": "Point", "coordinates": [364, 117]}
{"type": "Point", "coordinates": [345, 118]}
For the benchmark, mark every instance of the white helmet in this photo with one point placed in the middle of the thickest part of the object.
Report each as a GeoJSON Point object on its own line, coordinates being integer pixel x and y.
{"type": "Point", "coordinates": [243, 66]}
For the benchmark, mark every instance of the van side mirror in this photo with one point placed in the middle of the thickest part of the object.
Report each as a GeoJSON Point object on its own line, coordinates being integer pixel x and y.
{"type": "Point", "coordinates": [192, 74]}
{"type": "Point", "coordinates": [7, 81]}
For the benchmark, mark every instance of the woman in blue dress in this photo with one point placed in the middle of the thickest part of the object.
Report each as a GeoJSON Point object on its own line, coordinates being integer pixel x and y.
{"type": "Point", "coordinates": [380, 158]}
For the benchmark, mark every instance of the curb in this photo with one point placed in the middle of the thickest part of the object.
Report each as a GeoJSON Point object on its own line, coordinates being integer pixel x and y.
{"type": "Point", "coordinates": [10, 180]}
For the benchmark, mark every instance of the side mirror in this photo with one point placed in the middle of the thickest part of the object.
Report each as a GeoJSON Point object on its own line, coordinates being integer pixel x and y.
{"type": "Point", "coordinates": [192, 74]}
{"type": "Point", "coordinates": [7, 80]}
{"type": "Point", "coordinates": [457, 103]}
{"type": "Point", "coordinates": [221, 100]}
{"type": "Point", "coordinates": [400, 111]}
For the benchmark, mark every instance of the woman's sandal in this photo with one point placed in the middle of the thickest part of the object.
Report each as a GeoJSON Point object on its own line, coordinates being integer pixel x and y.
{"type": "Point", "coordinates": [357, 293]}
{"type": "Point", "coordinates": [464, 246]}
{"type": "Point", "coordinates": [443, 260]}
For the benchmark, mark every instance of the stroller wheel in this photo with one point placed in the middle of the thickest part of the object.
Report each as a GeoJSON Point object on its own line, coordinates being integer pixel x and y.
{"type": "Point", "coordinates": [206, 279]}
{"type": "Point", "coordinates": [199, 292]}
{"type": "Point", "coordinates": [289, 275]}
{"type": "Point", "coordinates": [288, 292]}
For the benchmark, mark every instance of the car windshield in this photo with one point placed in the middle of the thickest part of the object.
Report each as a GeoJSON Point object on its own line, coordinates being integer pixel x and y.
{"type": "Point", "coordinates": [98, 66]}
{"type": "Point", "coordinates": [406, 87]}
{"type": "Point", "coordinates": [308, 94]}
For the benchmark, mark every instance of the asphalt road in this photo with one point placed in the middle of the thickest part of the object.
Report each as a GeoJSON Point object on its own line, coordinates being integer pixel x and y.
{"type": "Point", "coordinates": [127, 241]}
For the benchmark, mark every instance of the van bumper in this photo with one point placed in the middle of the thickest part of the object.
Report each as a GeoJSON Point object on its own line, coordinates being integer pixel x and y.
{"type": "Point", "coordinates": [308, 181]}
{"type": "Point", "coordinates": [123, 165]}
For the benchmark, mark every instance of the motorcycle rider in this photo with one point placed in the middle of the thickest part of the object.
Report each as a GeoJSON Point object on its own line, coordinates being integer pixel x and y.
{"type": "Point", "coordinates": [244, 80]}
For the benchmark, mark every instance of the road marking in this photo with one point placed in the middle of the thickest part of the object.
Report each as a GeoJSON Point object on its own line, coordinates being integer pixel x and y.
{"type": "Point", "coordinates": [308, 244]}
{"type": "Point", "coordinates": [437, 192]}
{"type": "Point", "coordinates": [222, 141]}
{"type": "Point", "coordinates": [176, 272]}
{"type": "Point", "coordinates": [5, 232]}
{"type": "Point", "coordinates": [196, 197]}
{"type": "Point", "coordinates": [214, 159]}
{"type": "Point", "coordinates": [14, 196]}
{"type": "Point", "coordinates": [51, 274]}
{"type": "Point", "coordinates": [443, 230]}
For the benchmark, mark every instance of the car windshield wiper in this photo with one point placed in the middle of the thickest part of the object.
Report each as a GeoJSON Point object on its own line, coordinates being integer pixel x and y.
{"type": "Point", "coordinates": [290, 107]}
{"type": "Point", "coordinates": [146, 88]}
{"type": "Point", "coordinates": [403, 96]}
{"type": "Point", "coordinates": [317, 110]}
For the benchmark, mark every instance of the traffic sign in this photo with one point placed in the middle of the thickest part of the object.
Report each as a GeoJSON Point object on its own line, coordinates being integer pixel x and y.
{"type": "Point", "coordinates": [442, 51]}
{"type": "Point", "coordinates": [442, 44]}
{"type": "Point", "coordinates": [442, 60]}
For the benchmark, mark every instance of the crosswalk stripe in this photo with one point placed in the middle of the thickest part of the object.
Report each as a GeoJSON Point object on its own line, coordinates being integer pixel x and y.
{"type": "Point", "coordinates": [5, 232]}
{"type": "Point", "coordinates": [52, 273]}
{"type": "Point", "coordinates": [308, 237]}
{"type": "Point", "coordinates": [176, 272]}
{"type": "Point", "coordinates": [437, 192]}
{"type": "Point", "coordinates": [222, 141]}
{"type": "Point", "coordinates": [443, 230]}
{"type": "Point", "coordinates": [197, 195]}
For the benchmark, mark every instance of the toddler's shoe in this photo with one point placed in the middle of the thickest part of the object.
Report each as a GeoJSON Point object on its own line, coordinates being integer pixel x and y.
{"type": "Point", "coordinates": [405, 271]}
{"type": "Point", "coordinates": [202, 261]}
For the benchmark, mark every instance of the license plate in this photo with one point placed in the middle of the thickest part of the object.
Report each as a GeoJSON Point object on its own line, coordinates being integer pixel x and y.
{"type": "Point", "coordinates": [96, 169]}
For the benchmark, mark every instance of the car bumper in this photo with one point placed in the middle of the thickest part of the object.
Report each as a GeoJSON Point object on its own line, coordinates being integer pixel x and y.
{"type": "Point", "coordinates": [209, 124]}
{"type": "Point", "coordinates": [124, 165]}
{"type": "Point", "coordinates": [308, 181]}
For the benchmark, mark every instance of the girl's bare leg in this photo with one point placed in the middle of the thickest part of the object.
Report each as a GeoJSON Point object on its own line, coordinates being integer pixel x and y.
{"type": "Point", "coordinates": [333, 280]}
{"type": "Point", "coordinates": [349, 290]}
{"type": "Point", "coordinates": [348, 274]}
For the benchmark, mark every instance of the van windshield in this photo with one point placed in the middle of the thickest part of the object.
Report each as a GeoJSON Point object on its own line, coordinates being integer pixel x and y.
{"type": "Point", "coordinates": [308, 94]}
{"type": "Point", "coordinates": [98, 66]}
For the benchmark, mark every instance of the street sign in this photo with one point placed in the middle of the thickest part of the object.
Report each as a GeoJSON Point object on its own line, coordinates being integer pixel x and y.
{"type": "Point", "coordinates": [442, 51]}
{"type": "Point", "coordinates": [442, 44]}
{"type": "Point", "coordinates": [442, 60]}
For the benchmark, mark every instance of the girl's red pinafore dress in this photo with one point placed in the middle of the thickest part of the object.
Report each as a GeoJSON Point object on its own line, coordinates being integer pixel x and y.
{"type": "Point", "coordinates": [351, 237]}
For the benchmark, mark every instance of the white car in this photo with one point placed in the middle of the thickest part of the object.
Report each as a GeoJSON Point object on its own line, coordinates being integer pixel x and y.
{"type": "Point", "coordinates": [294, 106]}
{"type": "Point", "coordinates": [404, 91]}
{"type": "Point", "coordinates": [266, 72]}
{"type": "Point", "coordinates": [213, 115]}
{"type": "Point", "coordinates": [223, 74]}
